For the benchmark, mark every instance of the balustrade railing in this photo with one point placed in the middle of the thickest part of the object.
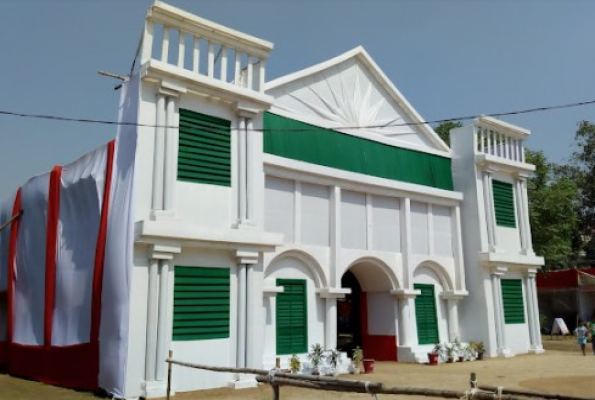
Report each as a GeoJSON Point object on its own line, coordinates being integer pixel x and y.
{"type": "Point", "coordinates": [204, 48]}
{"type": "Point", "coordinates": [490, 141]}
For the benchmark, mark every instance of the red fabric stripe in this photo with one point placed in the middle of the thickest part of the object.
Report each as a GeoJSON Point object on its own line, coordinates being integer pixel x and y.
{"type": "Point", "coordinates": [12, 256]}
{"type": "Point", "coordinates": [100, 247]}
{"type": "Point", "coordinates": [53, 213]}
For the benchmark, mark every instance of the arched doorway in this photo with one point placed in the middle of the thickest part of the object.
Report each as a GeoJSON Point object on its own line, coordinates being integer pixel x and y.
{"type": "Point", "coordinates": [367, 317]}
{"type": "Point", "coordinates": [349, 332]}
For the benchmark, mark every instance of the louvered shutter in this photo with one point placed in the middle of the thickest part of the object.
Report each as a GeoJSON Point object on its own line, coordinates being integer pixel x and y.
{"type": "Point", "coordinates": [292, 317]}
{"type": "Point", "coordinates": [204, 151]}
{"type": "Point", "coordinates": [201, 303]}
{"type": "Point", "coordinates": [504, 204]}
{"type": "Point", "coordinates": [425, 313]}
{"type": "Point", "coordinates": [512, 299]}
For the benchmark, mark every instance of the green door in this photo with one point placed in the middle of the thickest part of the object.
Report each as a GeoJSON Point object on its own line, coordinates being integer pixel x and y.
{"type": "Point", "coordinates": [425, 313]}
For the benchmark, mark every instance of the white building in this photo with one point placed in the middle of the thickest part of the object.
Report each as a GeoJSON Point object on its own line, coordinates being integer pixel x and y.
{"type": "Point", "coordinates": [269, 216]}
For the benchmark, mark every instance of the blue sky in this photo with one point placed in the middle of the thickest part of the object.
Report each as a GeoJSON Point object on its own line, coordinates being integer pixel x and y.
{"type": "Point", "coordinates": [449, 58]}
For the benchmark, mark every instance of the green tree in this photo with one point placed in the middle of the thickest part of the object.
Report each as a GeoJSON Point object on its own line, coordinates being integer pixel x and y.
{"type": "Point", "coordinates": [584, 174]}
{"type": "Point", "coordinates": [444, 128]}
{"type": "Point", "coordinates": [552, 210]}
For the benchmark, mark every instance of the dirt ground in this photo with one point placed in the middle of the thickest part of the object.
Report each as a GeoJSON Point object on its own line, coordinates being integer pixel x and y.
{"type": "Point", "coordinates": [561, 370]}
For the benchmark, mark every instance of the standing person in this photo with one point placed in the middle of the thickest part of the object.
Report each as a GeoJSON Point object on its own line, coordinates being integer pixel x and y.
{"type": "Point", "coordinates": [581, 333]}
{"type": "Point", "coordinates": [592, 334]}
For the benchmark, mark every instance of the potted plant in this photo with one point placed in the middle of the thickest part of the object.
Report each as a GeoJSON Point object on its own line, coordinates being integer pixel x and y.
{"type": "Point", "coordinates": [358, 357]}
{"type": "Point", "coordinates": [295, 364]}
{"type": "Point", "coordinates": [438, 354]}
{"type": "Point", "coordinates": [333, 357]}
{"type": "Point", "coordinates": [479, 349]}
{"type": "Point", "coordinates": [315, 357]}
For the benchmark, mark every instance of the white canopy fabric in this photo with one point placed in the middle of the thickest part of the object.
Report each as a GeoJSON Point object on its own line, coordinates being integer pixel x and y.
{"type": "Point", "coordinates": [65, 289]}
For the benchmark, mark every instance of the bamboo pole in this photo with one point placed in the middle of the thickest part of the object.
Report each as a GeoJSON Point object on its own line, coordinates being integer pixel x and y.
{"type": "Point", "coordinates": [10, 221]}
{"type": "Point", "coordinates": [169, 356]}
{"type": "Point", "coordinates": [529, 393]}
{"type": "Point", "coordinates": [278, 374]}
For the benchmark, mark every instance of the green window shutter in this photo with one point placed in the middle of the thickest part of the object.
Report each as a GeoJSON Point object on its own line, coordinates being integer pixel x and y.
{"type": "Point", "coordinates": [204, 151]}
{"type": "Point", "coordinates": [292, 317]}
{"type": "Point", "coordinates": [504, 204]}
{"type": "Point", "coordinates": [201, 303]}
{"type": "Point", "coordinates": [296, 140]}
{"type": "Point", "coordinates": [512, 299]}
{"type": "Point", "coordinates": [425, 315]}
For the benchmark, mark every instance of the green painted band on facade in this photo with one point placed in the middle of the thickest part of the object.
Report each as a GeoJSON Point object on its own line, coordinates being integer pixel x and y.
{"type": "Point", "coordinates": [288, 138]}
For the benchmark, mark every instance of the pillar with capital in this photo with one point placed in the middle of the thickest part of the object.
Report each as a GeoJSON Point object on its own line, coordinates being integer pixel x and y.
{"type": "Point", "coordinates": [452, 300]}
{"type": "Point", "coordinates": [533, 312]}
{"type": "Point", "coordinates": [407, 334]}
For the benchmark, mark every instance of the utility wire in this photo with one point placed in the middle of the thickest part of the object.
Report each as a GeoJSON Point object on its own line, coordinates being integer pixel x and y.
{"type": "Point", "coordinates": [436, 121]}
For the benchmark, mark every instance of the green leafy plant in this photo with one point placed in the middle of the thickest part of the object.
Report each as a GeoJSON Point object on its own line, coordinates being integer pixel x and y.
{"type": "Point", "coordinates": [295, 364]}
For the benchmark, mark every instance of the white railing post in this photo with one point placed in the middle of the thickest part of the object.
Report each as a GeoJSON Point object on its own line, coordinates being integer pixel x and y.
{"type": "Point", "coordinates": [223, 75]}
{"type": "Point", "coordinates": [236, 75]}
{"type": "Point", "coordinates": [196, 55]}
{"type": "Point", "coordinates": [249, 73]}
{"type": "Point", "coordinates": [181, 48]}
{"type": "Point", "coordinates": [165, 44]}
{"type": "Point", "coordinates": [261, 76]}
{"type": "Point", "coordinates": [211, 60]}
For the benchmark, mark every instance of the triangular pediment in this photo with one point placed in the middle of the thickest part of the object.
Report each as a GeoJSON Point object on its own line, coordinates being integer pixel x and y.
{"type": "Point", "coordinates": [349, 93]}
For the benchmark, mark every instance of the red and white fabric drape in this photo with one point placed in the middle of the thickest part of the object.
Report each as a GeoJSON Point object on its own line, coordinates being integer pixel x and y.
{"type": "Point", "coordinates": [65, 268]}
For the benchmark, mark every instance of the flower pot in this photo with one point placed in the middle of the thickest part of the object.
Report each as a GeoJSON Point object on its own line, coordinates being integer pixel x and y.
{"type": "Point", "coordinates": [461, 358]}
{"type": "Point", "coordinates": [480, 355]}
{"type": "Point", "coordinates": [369, 365]}
{"type": "Point", "coordinates": [450, 359]}
{"type": "Point", "coordinates": [433, 358]}
{"type": "Point", "coordinates": [315, 371]}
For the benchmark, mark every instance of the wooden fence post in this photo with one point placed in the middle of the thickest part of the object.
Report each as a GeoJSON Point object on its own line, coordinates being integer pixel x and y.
{"type": "Point", "coordinates": [170, 357]}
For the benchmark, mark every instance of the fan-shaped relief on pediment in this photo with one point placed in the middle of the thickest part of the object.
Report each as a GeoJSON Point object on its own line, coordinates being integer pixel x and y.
{"type": "Point", "coordinates": [348, 98]}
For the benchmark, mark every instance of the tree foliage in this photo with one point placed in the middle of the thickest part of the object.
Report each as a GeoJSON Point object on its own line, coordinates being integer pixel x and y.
{"type": "Point", "coordinates": [583, 170]}
{"type": "Point", "coordinates": [443, 130]}
{"type": "Point", "coordinates": [552, 210]}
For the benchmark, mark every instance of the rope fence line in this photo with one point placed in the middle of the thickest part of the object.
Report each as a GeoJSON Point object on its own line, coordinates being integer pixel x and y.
{"type": "Point", "coordinates": [277, 378]}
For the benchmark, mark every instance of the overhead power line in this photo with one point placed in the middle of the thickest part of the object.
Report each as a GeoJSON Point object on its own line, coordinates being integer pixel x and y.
{"type": "Point", "coordinates": [436, 121]}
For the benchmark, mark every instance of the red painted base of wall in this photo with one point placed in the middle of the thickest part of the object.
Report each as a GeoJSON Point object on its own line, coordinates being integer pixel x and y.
{"type": "Point", "coordinates": [69, 366]}
{"type": "Point", "coordinates": [380, 348]}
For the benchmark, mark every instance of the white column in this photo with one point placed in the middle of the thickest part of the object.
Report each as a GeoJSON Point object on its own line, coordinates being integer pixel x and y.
{"type": "Point", "coordinates": [171, 151]}
{"type": "Point", "coordinates": [498, 313]}
{"type": "Point", "coordinates": [297, 213]}
{"type": "Point", "coordinates": [452, 301]}
{"type": "Point", "coordinates": [457, 247]}
{"type": "Point", "coordinates": [250, 175]}
{"type": "Point", "coordinates": [490, 216]}
{"type": "Point", "coordinates": [528, 236]}
{"type": "Point", "coordinates": [242, 169]}
{"type": "Point", "coordinates": [520, 215]}
{"type": "Point", "coordinates": [158, 154]}
{"type": "Point", "coordinates": [453, 319]}
{"type": "Point", "coordinates": [241, 332]}
{"type": "Point", "coordinates": [223, 70]}
{"type": "Point", "coordinates": [250, 315]}
{"type": "Point", "coordinates": [162, 332]}
{"type": "Point", "coordinates": [431, 236]}
{"type": "Point", "coordinates": [330, 328]}
{"type": "Point", "coordinates": [152, 315]}
{"type": "Point", "coordinates": [369, 223]}
{"type": "Point", "coordinates": [406, 239]}
{"type": "Point", "coordinates": [147, 49]}
{"type": "Point", "coordinates": [406, 304]}
{"type": "Point", "coordinates": [335, 235]}
{"type": "Point", "coordinates": [533, 312]}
